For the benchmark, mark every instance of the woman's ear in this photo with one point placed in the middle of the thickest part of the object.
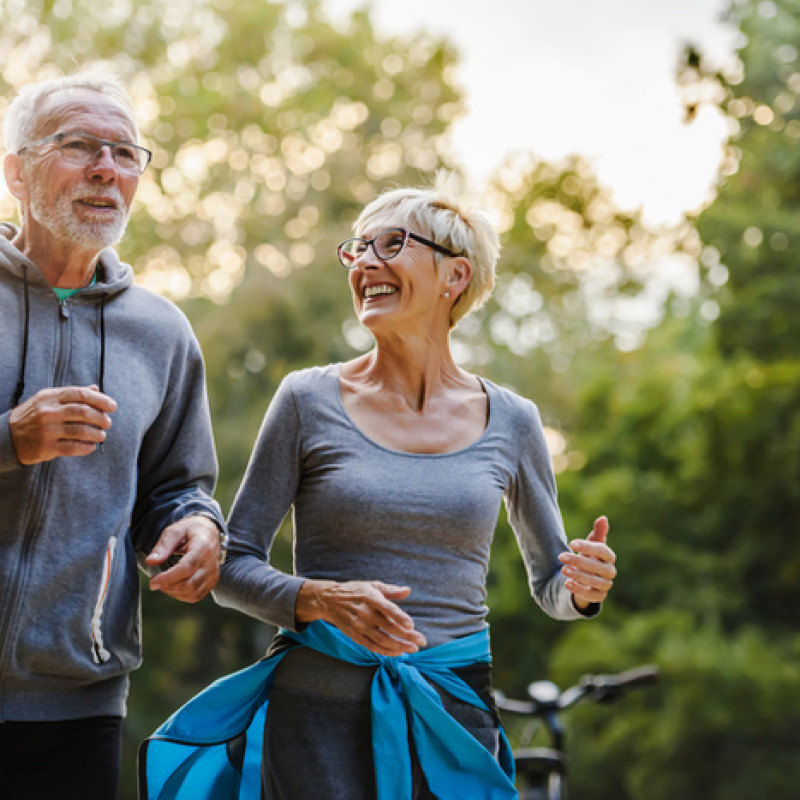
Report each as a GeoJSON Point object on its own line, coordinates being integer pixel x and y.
{"type": "Point", "coordinates": [459, 272]}
{"type": "Point", "coordinates": [15, 176]}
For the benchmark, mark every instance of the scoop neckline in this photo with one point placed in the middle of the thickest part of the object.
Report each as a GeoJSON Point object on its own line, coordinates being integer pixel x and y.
{"type": "Point", "coordinates": [351, 422]}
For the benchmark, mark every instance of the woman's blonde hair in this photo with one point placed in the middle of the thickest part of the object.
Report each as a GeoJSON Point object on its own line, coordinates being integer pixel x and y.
{"type": "Point", "coordinates": [451, 218]}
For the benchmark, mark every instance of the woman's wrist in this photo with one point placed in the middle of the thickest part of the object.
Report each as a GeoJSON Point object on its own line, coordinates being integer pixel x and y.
{"type": "Point", "coordinates": [310, 603]}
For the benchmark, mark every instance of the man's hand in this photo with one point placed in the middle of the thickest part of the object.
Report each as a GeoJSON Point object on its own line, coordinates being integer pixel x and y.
{"type": "Point", "coordinates": [62, 421]}
{"type": "Point", "coordinates": [196, 540]}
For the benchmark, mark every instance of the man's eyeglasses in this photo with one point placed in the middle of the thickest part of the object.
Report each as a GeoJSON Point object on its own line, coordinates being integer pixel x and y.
{"type": "Point", "coordinates": [83, 149]}
{"type": "Point", "coordinates": [387, 244]}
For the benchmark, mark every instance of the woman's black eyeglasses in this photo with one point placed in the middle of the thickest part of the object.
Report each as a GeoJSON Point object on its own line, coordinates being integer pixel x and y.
{"type": "Point", "coordinates": [387, 244]}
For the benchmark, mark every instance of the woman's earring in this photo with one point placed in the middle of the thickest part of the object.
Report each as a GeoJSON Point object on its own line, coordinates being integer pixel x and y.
{"type": "Point", "coordinates": [447, 294]}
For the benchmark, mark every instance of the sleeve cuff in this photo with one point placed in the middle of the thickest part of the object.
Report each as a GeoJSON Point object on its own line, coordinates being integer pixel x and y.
{"type": "Point", "coordinates": [8, 457]}
{"type": "Point", "coordinates": [592, 610]}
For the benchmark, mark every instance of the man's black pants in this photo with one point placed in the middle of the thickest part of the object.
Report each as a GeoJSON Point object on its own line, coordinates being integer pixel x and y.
{"type": "Point", "coordinates": [64, 760]}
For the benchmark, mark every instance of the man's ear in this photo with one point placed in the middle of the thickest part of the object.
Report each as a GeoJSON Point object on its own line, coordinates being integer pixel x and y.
{"type": "Point", "coordinates": [15, 176]}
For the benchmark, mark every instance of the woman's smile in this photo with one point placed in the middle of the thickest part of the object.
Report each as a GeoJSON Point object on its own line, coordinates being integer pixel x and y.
{"type": "Point", "coordinates": [378, 289]}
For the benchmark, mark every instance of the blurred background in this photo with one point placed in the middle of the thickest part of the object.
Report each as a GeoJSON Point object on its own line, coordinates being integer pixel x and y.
{"type": "Point", "coordinates": [641, 161]}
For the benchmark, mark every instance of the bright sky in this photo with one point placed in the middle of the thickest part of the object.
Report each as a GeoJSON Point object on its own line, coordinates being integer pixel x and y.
{"type": "Point", "coordinates": [594, 77]}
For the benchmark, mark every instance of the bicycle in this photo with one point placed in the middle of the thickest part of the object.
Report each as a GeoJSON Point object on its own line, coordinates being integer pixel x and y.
{"type": "Point", "coordinates": [542, 771]}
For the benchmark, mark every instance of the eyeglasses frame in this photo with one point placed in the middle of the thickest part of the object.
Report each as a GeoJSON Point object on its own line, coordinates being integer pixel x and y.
{"type": "Point", "coordinates": [58, 137]}
{"type": "Point", "coordinates": [406, 236]}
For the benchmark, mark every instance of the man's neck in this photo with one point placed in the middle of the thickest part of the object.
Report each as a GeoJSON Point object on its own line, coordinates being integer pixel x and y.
{"type": "Point", "coordinates": [62, 267]}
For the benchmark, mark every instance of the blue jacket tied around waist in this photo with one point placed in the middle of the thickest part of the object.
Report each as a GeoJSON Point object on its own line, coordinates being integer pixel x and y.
{"type": "Point", "coordinates": [211, 748]}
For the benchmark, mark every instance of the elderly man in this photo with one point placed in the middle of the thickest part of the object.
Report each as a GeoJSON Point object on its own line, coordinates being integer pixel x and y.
{"type": "Point", "coordinates": [106, 450]}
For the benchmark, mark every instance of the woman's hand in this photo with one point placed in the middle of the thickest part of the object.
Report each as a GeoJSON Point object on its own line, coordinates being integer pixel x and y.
{"type": "Point", "coordinates": [590, 567]}
{"type": "Point", "coordinates": [365, 611]}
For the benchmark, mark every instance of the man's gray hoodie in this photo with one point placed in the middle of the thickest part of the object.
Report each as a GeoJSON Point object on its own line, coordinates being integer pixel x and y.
{"type": "Point", "coordinates": [73, 529]}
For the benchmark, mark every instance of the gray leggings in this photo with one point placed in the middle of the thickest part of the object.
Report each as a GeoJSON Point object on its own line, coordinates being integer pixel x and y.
{"type": "Point", "coordinates": [318, 733]}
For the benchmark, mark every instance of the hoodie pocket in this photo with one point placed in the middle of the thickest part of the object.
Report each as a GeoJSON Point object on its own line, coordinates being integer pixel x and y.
{"type": "Point", "coordinates": [99, 653]}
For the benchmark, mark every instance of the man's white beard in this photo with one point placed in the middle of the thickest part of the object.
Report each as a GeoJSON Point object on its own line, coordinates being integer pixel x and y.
{"type": "Point", "coordinates": [64, 225]}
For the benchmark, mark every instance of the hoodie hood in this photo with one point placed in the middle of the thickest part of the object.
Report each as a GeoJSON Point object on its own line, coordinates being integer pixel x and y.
{"type": "Point", "coordinates": [113, 276]}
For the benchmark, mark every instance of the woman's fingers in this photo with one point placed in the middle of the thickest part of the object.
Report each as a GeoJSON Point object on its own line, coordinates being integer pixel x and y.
{"type": "Point", "coordinates": [590, 566]}
{"type": "Point", "coordinates": [363, 610]}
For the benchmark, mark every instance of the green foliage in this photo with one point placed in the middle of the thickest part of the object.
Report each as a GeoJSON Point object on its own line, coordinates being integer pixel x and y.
{"type": "Point", "coordinates": [690, 444]}
{"type": "Point", "coordinates": [571, 262]}
{"type": "Point", "coordinates": [754, 225]}
{"type": "Point", "coordinates": [677, 449]}
{"type": "Point", "coordinates": [718, 725]}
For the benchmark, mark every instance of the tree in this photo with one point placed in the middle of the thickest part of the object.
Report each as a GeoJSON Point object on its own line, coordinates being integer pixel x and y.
{"type": "Point", "coordinates": [692, 441]}
{"type": "Point", "coordinates": [752, 229]}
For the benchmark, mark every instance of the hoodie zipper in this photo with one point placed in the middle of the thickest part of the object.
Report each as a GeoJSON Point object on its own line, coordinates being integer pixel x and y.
{"type": "Point", "coordinates": [39, 492]}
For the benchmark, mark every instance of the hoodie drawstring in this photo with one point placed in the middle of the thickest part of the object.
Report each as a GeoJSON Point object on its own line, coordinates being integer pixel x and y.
{"type": "Point", "coordinates": [101, 448]}
{"type": "Point", "coordinates": [20, 390]}
{"type": "Point", "coordinates": [102, 343]}
{"type": "Point", "coordinates": [21, 382]}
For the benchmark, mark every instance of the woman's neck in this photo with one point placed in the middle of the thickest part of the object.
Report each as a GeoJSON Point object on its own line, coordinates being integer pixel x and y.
{"type": "Point", "coordinates": [414, 370]}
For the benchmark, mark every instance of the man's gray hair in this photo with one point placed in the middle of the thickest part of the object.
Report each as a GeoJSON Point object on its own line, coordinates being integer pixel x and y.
{"type": "Point", "coordinates": [24, 115]}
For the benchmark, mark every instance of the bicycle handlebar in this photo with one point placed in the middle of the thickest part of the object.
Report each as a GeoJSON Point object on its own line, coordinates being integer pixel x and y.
{"type": "Point", "coordinates": [638, 676]}
{"type": "Point", "coordinates": [599, 688]}
{"type": "Point", "coordinates": [603, 688]}
{"type": "Point", "coordinates": [542, 771]}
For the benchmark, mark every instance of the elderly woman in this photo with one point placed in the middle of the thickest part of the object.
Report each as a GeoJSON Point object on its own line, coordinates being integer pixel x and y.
{"type": "Point", "coordinates": [395, 465]}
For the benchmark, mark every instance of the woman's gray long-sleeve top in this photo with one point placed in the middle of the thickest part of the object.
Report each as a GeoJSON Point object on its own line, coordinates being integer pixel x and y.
{"type": "Point", "coordinates": [365, 512]}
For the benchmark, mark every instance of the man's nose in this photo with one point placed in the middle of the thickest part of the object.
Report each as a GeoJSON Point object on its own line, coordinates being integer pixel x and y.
{"type": "Point", "coordinates": [103, 166]}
